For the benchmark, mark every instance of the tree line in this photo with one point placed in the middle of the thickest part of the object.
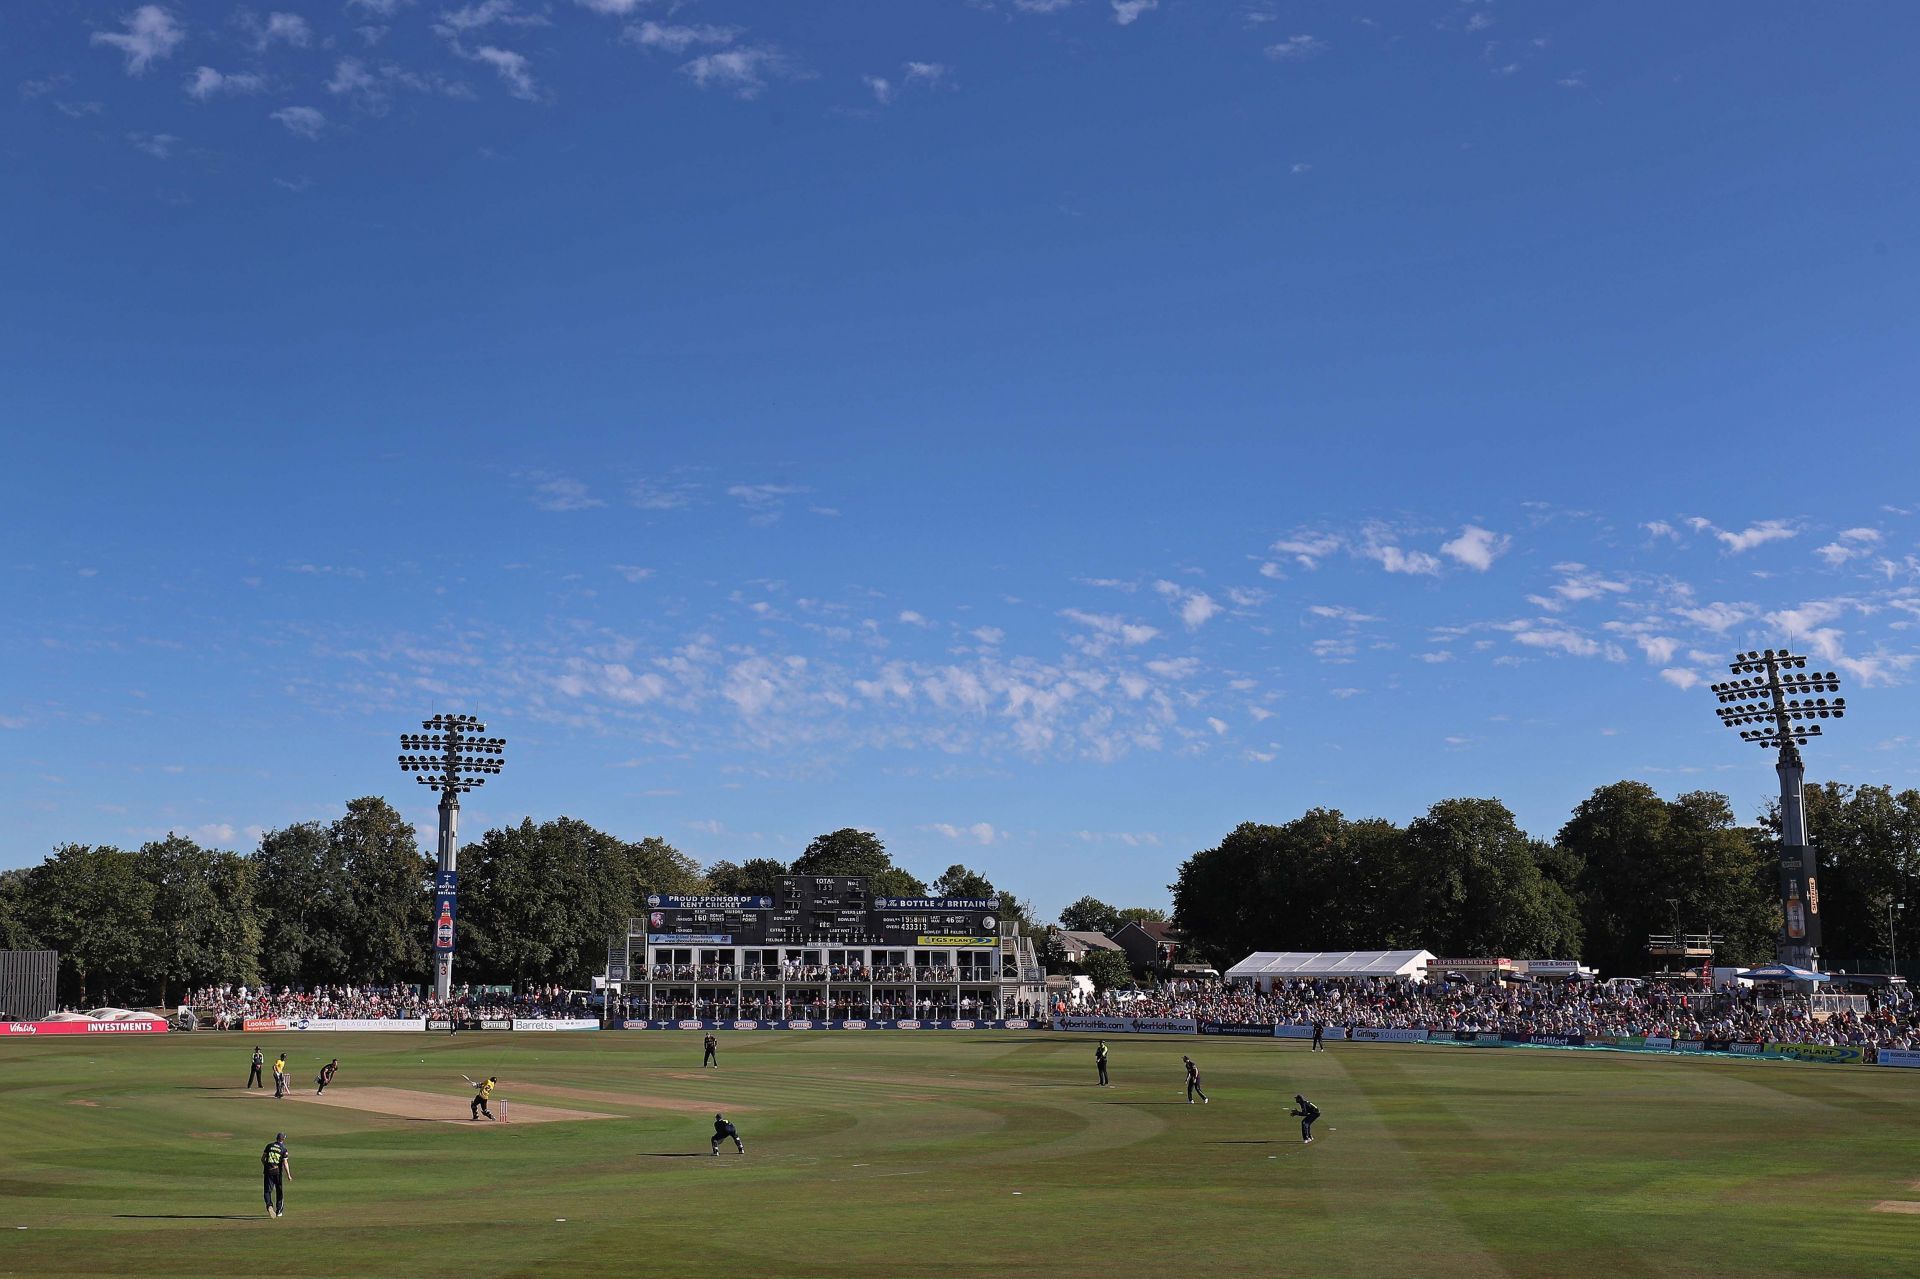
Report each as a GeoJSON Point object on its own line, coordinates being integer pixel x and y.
{"type": "Point", "coordinates": [349, 901]}
{"type": "Point", "coordinates": [1463, 879]}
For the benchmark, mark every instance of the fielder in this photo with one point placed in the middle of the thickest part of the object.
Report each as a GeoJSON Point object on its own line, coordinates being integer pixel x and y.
{"type": "Point", "coordinates": [723, 1130]}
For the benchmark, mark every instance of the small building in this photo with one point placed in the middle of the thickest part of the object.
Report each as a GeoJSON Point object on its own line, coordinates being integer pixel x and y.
{"type": "Point", "coordinates": [1150, 943]}
{"type": "Point", "coordinates": [1265, 967]}
{"type": "Point", "coordinates": [1078, 944]}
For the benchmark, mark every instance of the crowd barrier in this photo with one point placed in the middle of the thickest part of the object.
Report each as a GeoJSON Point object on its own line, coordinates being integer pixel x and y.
{"type": "Point", "coordinates": [131, 1026]}
{"type": "Point", "coordinates": [1830, 1054]}
{"type": "Point", "coordinates": [815, 1023]}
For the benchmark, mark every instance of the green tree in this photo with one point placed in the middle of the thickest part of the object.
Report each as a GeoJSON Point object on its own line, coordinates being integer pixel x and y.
{"type": "Point", "coordinates": [1868, 838]}
{"type": "Point", "coordinates": [204, 926]}
{"type": "Point", "coordinates": [1643, 860]}
{"type": "Point", "coordinates": [1141, 914]}
{"type": "Point", "coordinates": [539, 903]}
{"type": "Point", "coordinates": [655, 866]}
{"type": "Point", "coordinates": [391, 879]}
{"type": "Point", "coordinates": [1108, 968]}
{"type": "Point", "coordinates": [307, 911]}
{"type": "Point", "coordinates": [1089, 915]}
{"type": "Point", "coordinates": [91, 904]}
{"type": "Point", "coordinates": [1472, 886]}
{"type": "Point", "coordinates": [845, 852]}
{"type": "Point", "coordinates": [14, 932]}
{"type": "Point", "coordinates": [960, 881]}
{"type": "Point", "coordinates": [755, 877]}
{"type": "Point", "coordinates": [1320, 882]}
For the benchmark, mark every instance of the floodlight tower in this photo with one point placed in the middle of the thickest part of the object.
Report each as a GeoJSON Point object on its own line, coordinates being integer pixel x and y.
{"type": "Point", "coordinates": [1774, 699]}
{"type": "Point", "coordinates": [455, 758]}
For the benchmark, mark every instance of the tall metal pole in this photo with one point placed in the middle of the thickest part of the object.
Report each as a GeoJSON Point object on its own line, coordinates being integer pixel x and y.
{"type": "Point", "coordinates": [1772, 697]}
{"type": "Point", "coordinates": [458, 759]}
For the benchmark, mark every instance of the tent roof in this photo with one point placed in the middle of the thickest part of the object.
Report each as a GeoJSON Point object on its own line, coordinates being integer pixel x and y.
{"type": "Point", "coordinates": [1782, 972]}
{"type": "Point", "coordinates": [1332, 963]}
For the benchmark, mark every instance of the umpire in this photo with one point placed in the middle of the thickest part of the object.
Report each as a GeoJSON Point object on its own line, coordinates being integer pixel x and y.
{"type": "Point", "coordinates": [253, 1076]}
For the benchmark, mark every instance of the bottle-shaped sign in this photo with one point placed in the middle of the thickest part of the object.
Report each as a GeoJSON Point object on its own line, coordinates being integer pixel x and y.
{"type": "Point", "coordinates": [443, 931]}
{"type": "Point", "coordinates": [1796, 912]}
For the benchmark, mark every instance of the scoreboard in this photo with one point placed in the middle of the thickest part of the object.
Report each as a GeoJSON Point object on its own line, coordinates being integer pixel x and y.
{"type": "Point", "coordinates": [820, 909]}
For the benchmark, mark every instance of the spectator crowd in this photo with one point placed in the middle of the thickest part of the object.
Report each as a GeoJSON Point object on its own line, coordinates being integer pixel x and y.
{"type": "Point", "coordinates": [1533, 1008]}
{"type": "Point", "coordinates": [229, 1007]}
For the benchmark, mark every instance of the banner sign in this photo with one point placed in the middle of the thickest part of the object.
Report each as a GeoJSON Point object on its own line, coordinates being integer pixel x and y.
{"type": "Point", "coordinates": [1558, 1041]}
{"type": "Point", "coordinates": [954, 941]}
{"type": "Point", "coordinates": [1128, 1025]}
{"type": "Point", "coordinates": [689, 939]}
{"type": "Point", "coordinates": [1552, 966]}
{"type": "Point", "coordinates": [141, 1026]}
{"type": "Point", "coordinates": [443, 905]}
{"type": "Point", "coordinates": [807, 1023]}
{"type": "Point", "coordinates": [1898, 1057]}
{"type": "Point", "coordinates": [555, 1023]}
{"type": "Point", "coordinates": [669, 901]}
{"type": "Point", "coordinates": [934, 903]}
{"type": "Point", "coordinates": [446, 881]}
{"type": "Point", "coordinates": [1657, 1043]}
{"type": "Point", "coordinates": [1833, 1053]}
{"type": "Point", "coordinates": [1799, 897]}
{"type": "Point", "coordinates": [1235, 1028]}
{"type": "Point", "coordinates": [440, 1023]}
{"type": "Point", "coordinates": [357, 1023]}
{"type": "Point", "coordinates": [1387, 1035]}
{"type": "Point", "coordinates": [264, 1023]}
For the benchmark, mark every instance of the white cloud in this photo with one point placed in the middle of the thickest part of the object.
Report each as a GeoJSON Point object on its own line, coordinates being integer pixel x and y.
{"type": "Point", "coordinates": [1301, 168]}
{"type": "Point", "coordinates": [380, 8]}
{"type": "Point", "coordinates": [562, 493]}
{"type": "Point", "coordinates": [764, 503]}
{"type": "Point", "coordinates": [912, 618]}
{"type": "Point", "coordinates": [1307, 549]}
{"type": "Point", "coordinates": [678, 37]}
{"type": "Point", "coordinates": [1194, 607]}
{"type": "Point", "coordinates": [1341, 613]}
{"type": "Point", "coordinates": [1296, 48]}
{"type": "Point", "coordinates": [882, 88]}
{"type": "Point", "coordinates": [743, 72]}
{"type": "Point", "coordinates": [1344, 693]}
{"type": "Point", "coordinates": [978, 832]}
{"type": "Point", "coordinates": [1716, 617]}
{"type": "Point", "coordinates": [1807, 618]}
{"type": "Point", "coordinates": [1126, 12]}
{"type": "Point", "coordinates": [305, 122]}
{"type": "Point", "coordinates": [612, 8]}
{"type": "Point", "coordinates": [1219, 726]}
{"type": "Point", "coordinates": [485, 14]}
{"type": "Point", "coordinates": [1679, 677]}
{"type": "Point", "coordinates": [1755, 535]}
{"type": "Point", "coordinates": [1395, 560]}
{"type": "Point", "coordinates": [512, 69]}
{"type": "Point", "coordinates": [1476, 547]}
{"type": "Point", "coordinates": [1041, 6]}
{"type": "Point", "coordinates": [157, 145]}
{"type": "Point", "coordinates": [931, 74]}
{"type": "Point", "coordinates": [1558, 638]}
{"type": "Point", "coordinates": [1660, 528]}
{"type": "Point", "coordinates": [633, 572]}
{"type": "Point", "coordinates": [1112, 625]}
{"type": "Point", "coordinates": [989, 634]}
{"type": "Point", "coordinates": [1860, 535]}
{"type": "Point", "coordinates": [282, 28]}
{"type": "Point", "coordinates": [205, 82]}
{"type": "Point", "coordinates": [151, 36]}
{"type": "Point", "coordinates": [1658, 648]}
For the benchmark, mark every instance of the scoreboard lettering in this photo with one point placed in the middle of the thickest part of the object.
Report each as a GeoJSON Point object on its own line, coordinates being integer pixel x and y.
{"type": "Point", "coordinates": [813, 910]}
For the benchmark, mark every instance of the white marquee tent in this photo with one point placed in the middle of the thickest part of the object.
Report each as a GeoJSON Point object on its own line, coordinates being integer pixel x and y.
{"type": "Point", "coordinates": [1264, 967]}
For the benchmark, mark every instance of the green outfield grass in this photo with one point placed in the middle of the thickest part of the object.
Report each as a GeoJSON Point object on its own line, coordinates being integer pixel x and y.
{"type": "Point", "coordinates": [951, 1155]}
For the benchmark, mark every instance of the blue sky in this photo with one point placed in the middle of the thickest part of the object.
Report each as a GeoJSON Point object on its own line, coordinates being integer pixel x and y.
{"type": "Point", "coordinates": [1048, 433]}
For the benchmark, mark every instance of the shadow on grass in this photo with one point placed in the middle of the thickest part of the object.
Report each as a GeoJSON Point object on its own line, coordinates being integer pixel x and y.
{"type": "Point", "coordinates": [674, 1154]}
{"type": "Point", "coordinates": [1244, 1143]}
{"type": "Point", "coordinates": [187, 1216]}
{"type": "Point", "coordinates": [1146, 1103]}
